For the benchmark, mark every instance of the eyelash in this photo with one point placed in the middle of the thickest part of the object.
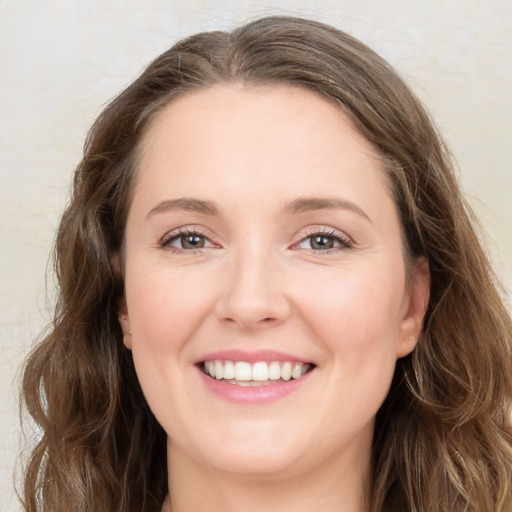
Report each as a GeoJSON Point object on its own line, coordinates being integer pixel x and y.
{"type": "Point", "coordinates": [165, 242]}
{"type": "Point", "coordinates": [344, 241]}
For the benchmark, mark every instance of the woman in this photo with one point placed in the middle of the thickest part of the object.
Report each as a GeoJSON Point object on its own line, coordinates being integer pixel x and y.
{"type": "Point", "coordinates": [271, 291]}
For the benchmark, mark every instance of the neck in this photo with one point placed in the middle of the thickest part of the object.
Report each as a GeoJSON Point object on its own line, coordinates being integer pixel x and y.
{"type": "Point", "coordinates": [339, 485]}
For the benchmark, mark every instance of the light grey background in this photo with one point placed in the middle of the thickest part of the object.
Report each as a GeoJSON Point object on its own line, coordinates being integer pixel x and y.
{"type": "Point", "coordinates": [61, 61]}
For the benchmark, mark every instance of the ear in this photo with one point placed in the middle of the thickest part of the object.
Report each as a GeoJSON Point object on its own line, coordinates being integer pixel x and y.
{"type": "Point", "coordinates": [122, 309]}
{"type": "Point", "coordinates": [124, 321]}
{"type": "Point", "coordinates": [415, 307]}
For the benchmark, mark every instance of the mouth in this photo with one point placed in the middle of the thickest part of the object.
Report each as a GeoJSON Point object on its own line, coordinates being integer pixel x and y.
{"type": "Point", "coordinates": [260, 373]}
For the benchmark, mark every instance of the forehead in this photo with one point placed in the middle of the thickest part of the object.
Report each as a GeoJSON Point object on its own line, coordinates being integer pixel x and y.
{"type": "Point", "coordinates": [248, 138]}
{"type": "Point", "coordinates": [248, 101]}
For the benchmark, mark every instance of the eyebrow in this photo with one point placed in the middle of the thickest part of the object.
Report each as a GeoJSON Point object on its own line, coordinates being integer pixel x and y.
{"type": "Point", "coordinates": [306, 204]}
{"type": "Point", "coordinates": [185, 203]}
{"type": "Point", "coordinates": [297, 206]}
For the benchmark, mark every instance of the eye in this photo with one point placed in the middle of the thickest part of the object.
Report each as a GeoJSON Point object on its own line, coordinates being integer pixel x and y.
{"type": "Point", "coordinates": [324, 241]}
{"type": "Point", "coordinates": [186, 240]}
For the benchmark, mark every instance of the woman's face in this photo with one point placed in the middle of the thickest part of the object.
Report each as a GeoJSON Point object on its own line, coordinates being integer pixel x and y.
{"type": "Point", "coordinates": [262, 241]}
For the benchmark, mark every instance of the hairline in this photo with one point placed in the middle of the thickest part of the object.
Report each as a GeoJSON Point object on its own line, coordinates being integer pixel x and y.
{"type": "Point", "coordinates": [151, 114]}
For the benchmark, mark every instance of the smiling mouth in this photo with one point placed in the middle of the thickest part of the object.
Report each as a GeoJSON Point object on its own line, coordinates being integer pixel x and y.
{"type": "Point", "coordinates": [242, 373]}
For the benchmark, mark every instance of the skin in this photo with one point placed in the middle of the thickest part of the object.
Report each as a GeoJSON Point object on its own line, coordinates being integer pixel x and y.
{"type": "Point", "coordinates": [259, 283]}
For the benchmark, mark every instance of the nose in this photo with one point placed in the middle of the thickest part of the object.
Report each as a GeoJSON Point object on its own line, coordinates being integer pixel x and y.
{"type": "Point", "coordinates": [253, 293]}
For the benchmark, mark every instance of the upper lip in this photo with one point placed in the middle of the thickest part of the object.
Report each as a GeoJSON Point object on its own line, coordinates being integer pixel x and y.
{"type": "Point", "coordinates": [250, 356]}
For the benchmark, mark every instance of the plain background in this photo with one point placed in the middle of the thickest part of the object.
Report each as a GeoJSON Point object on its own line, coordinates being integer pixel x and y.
{"type": "Point", "coordinates": [61, 61]}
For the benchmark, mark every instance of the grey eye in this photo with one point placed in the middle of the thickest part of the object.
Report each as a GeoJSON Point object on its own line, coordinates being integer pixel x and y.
{"type": "Point", "coordinates": [187, 241]}
{"type": "Point", "coordinates": [322, 242]}
{"type": "Point", "coordinates": [191, 241]}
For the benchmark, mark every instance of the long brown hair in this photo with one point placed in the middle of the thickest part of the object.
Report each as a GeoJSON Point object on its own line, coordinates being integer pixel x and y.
{"type": "Point", "coordinates": [443, 439]}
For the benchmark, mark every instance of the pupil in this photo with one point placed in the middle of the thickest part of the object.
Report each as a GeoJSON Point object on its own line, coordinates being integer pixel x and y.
{"type": "Point", "coordinates": [192, 242]}
{"type": "Point", "coordinates": [322, 242]}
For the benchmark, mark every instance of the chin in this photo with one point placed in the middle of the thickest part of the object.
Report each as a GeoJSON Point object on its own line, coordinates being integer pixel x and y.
{"type": "Point", "coordinates": [255, 464]}
{"type": "Point", "coordinates": [256, 453]}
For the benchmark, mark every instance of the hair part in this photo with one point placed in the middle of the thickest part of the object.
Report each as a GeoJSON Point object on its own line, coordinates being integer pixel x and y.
{"type": "Point", "coordinates": [443, 439]}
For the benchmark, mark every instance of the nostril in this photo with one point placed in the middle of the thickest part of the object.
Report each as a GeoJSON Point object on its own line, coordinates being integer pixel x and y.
{"type": "Point", "coordinates": [269, 320]}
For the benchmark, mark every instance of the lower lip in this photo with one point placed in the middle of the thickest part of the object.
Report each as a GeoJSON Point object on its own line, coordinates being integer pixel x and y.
{"type": "Point", "coordinates": [252, 394]}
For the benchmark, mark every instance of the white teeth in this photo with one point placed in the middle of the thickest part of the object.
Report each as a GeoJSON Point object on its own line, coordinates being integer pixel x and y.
{"type": "Point", "coordinates": [229, 370]}
{"type": "Point", "coordinates": [297, 370]}
{"type": "Point", "coordinates": [218, 370]}
{"type": "Point", "coordinates": [274, 371]}
{"type": "Point", "coordinates": [257, 374]}
{"type": "Point", "coordinates": [251, 383]}
{"type": "Point", "coordinates": [260, 371]}
{"type": "Point", "coordinates": [242, 371]}
{"type": "Point", "coordinates": [286, 371]}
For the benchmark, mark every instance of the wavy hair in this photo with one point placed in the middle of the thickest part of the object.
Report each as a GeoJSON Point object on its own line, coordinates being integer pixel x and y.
{"type": "Point", "coordinates": [443, 438]}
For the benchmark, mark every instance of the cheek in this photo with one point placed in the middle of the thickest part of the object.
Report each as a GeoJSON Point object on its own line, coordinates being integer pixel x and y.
{"type": "Point", "coordinates": [357, 318]}
{"type": "Point", "coordinates": [354, 317]}
{"type": "Point", "coordinates": [165, 310]}
{"type": "Point", "coordinates": [165, 307]}
{"type": "Point", "coordinates": [358, 302]}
